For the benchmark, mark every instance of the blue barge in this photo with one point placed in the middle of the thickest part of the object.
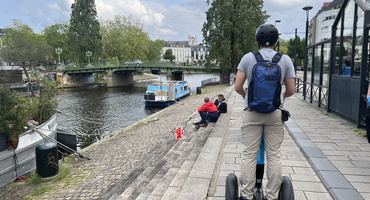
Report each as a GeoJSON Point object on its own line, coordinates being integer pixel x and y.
{"type": "Point", "coordinates": [166, 94]}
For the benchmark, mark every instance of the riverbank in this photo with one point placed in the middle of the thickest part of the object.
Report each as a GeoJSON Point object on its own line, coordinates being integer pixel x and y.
{"type": "Point", "coordinates": [119, 153]}
{"type": "Point", "coordinates": [144, 76]}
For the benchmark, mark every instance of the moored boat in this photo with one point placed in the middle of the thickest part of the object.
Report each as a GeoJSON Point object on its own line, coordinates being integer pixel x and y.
{"type": "Point", "coordinates": [21, 160]}
{"type": "Point", "coordinates": [166, 93]}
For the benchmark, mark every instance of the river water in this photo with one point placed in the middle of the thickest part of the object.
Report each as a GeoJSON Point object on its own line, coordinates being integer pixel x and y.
{"type": "Point", "coordinates": [95, 112]}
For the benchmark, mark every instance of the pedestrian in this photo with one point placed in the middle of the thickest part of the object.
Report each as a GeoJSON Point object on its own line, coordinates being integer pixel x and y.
{"type": "Point", "coordinates": [368, 114]}
{"type": "Point", "coordinates": [208, 113]}
{"type": "Point", "coordinates": [220, 102]}
{"type": "Point", "coordinates": [267, 123]}
{"type": "Point", "coordinates": [346, 68]}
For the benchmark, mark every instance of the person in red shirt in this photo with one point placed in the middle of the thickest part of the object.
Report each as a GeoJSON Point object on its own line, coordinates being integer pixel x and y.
{"type": "Point", "coordinates": [208, 112]}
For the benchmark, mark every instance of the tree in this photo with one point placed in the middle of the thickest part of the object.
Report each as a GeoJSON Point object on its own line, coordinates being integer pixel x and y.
{"type": "Point", "coordinates": [154, 50]}
{"type": "Point", "coordinates": [125, 39]}
{"type": "Point", "coordinates": [300, 51]}
{"type": "Point", "coordinates": [84, 31]}
{"type": "Point", "coordinates": [168, 55]}
{"type": "Point", "coordinates": [56, 36]}
{"type": "Point", "coordinates": [230, 30]}
{"type": "Point", "coordinates": [24, 47]}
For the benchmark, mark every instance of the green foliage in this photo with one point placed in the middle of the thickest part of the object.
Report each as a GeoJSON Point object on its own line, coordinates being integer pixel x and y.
{"type": "Point", "coordinates": [35, 179]}
{"type": "Point", "coordinates": [114, 61]}
{"type": "Point", "coordinates": [13, 116]}
{"type": "Point", "coordinates": [24, 46]}
{"type": "Point", "coordinates": [125, 38]}
{"type": "Point", "coordinates": [45, 103]}
{"type": "Point", "coordinates": [229, 31]}
{"type": "Point", "coordinates": [16, 110]}
{"type": "Point", "coordinates": [64, 171]}
{"type": "Point", "coordinates": [56, 36]}
{"type": "Point", "coordinates": [299, 44]}
{"type": "Point", "coordinates": [84, 31]}
{"type": "Point", "coordinates": [155, 50]}
{"type": "Point", "coordinates": [168, 55]}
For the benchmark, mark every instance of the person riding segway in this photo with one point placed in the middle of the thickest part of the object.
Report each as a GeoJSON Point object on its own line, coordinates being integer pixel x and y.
{"type": "Point", "coordinates": [266, 71]}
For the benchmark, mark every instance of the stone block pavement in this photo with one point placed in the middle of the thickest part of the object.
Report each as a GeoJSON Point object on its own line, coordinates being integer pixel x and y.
{"type": "Point", "coordinates": [321, 153]}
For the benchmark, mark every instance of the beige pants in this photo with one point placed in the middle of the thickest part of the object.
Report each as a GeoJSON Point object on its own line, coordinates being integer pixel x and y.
{"type": "Point", "coordinates": [253, 125]}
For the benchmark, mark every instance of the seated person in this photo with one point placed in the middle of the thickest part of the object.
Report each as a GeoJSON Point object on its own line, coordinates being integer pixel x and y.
{"type": "Point", "coordinates": [221, 104]}
{"type": "Point", "coordinates": [208, 112]}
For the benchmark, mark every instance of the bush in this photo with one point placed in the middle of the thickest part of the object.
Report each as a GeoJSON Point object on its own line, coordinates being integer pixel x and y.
{"type": "Point", "coordinates": [17, 110]}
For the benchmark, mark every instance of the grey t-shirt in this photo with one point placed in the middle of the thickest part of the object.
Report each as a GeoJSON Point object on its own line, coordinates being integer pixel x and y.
{"type": "Point", "coordinates": [249, 60]}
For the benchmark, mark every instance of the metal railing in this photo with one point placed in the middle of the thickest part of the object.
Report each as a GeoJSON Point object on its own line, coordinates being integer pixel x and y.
{"type": "Point", "coordinates": [210, 81]}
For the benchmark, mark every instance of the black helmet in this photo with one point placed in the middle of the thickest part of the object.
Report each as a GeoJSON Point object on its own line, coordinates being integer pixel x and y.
{"type": "Point", "coordinates": [267, 34]}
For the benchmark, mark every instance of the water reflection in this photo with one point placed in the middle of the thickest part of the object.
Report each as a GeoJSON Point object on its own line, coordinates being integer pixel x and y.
{"type": "Point", "coordinates": [96, 112]}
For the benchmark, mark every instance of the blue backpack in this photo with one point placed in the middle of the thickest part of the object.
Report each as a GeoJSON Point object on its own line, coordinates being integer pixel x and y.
{"type": "Point", "coordinates": [265, 89]}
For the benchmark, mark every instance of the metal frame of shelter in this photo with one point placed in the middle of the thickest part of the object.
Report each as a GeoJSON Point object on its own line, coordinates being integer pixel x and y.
{"type": "Point", "coordinates": [350, 40]}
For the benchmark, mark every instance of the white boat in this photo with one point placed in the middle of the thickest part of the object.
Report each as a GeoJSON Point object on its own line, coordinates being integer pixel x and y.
{"type": "Point", "coordinates": [19, 161]}
{"type": "Point", "coordinates": [166, 94]}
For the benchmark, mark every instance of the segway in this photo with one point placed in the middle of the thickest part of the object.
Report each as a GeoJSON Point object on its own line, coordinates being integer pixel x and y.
{"type": "Point", "coordinates": [232, 191]}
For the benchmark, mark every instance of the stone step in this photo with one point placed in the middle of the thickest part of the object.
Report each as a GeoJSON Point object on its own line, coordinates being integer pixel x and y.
{"type": "Point", "coordinates": [173, 181]}
{"type": "Point", "coordinates": [163, 161]}
{"type": "Point", "coordinates": [171, 168]}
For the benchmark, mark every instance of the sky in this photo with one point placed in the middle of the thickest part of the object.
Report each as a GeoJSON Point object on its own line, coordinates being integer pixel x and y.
{"type": "Point", "coordinates": [169, 20]}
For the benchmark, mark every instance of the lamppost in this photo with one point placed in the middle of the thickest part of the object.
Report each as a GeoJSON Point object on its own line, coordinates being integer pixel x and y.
{"type": "Point", "coordinates": [47, 60]}
{"type": "Point", "coordinates": [88, 54]}
{"type": "Point", "coordinates": [307, 9]}
{"type": "Point", "coordinates": [277, 21]}
{"type": "Point", "coordinates": [58, 51]}
{"type": "Point", "coordinates": [278, 44]}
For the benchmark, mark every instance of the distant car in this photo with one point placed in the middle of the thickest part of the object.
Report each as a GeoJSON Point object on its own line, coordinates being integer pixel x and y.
{"type": "Point", "coordinates": [299, 68]}
{"type": "Point", "coordinates": [134, 62]}
{"type": "Point", "coordinates": [40, 68]}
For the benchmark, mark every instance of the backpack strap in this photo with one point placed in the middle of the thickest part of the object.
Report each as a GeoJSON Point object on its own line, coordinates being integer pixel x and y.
{"type": "Point", "coordinates": [258, 56]}
{"type": "Point", "coordinates": [277, 57]}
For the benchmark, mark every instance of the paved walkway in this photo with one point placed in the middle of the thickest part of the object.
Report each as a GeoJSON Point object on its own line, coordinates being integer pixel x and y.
{"type": "Point", "coordinates": [322, 154]}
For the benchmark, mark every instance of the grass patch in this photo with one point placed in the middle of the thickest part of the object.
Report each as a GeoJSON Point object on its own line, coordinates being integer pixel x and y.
{"type": "Point", "coordinates": [64, 171]}
{"type": "Point", "coordinates": [361, 132]}
{"type": "Point", "coordinates": [41, 191]}
{"type": "Point", "coordinates": [35, 179]}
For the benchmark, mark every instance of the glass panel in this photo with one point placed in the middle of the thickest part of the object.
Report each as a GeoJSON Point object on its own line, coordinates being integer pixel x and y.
{"type": "Point", "coordinates": [337, 47]}
{"type": "Point", "coordinates": [346, 51]}
{"type": "Point", "coordinates": [368, 54]}
{"type": "Point", "coordinates": [358, 42]}
{"type": "Point", "coordinates": [317, 65]}
{"type": "Point", "coordinates": [367, 2]}
{"type": "Point", "coordinates": [309, 65]}
{"type": "Point", "coordinates": [326, 64]}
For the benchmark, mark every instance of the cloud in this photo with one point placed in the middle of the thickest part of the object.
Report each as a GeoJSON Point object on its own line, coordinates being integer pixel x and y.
{"type": "Point", "coordinates": [291, 15]}
{"type": "Point", "coordinates": [183, 19]}
{"type": "Point", "coordinates": [107, 9]}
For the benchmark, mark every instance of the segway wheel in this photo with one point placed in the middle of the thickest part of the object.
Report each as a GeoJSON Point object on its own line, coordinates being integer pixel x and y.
{"type": "Point", "coordinates": [231, 191]}
{"type": "Point", "coordinates": [286, 189]}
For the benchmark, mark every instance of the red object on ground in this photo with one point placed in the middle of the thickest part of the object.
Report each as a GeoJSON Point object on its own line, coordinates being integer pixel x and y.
{"type": "Point", "coordinates": [178, 132]}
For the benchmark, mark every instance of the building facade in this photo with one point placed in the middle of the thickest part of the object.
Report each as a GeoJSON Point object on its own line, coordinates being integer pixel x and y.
{"type": "Point", "coordinates": [186, 51]}
{"type": "Point", "coordinates": [340, 34]}
{"type": "Point", "coordinates": [323, 21]}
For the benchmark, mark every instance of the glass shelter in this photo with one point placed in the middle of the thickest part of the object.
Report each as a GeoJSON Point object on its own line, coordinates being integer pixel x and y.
{"type": "Point", "coordinates": [338, 69]}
